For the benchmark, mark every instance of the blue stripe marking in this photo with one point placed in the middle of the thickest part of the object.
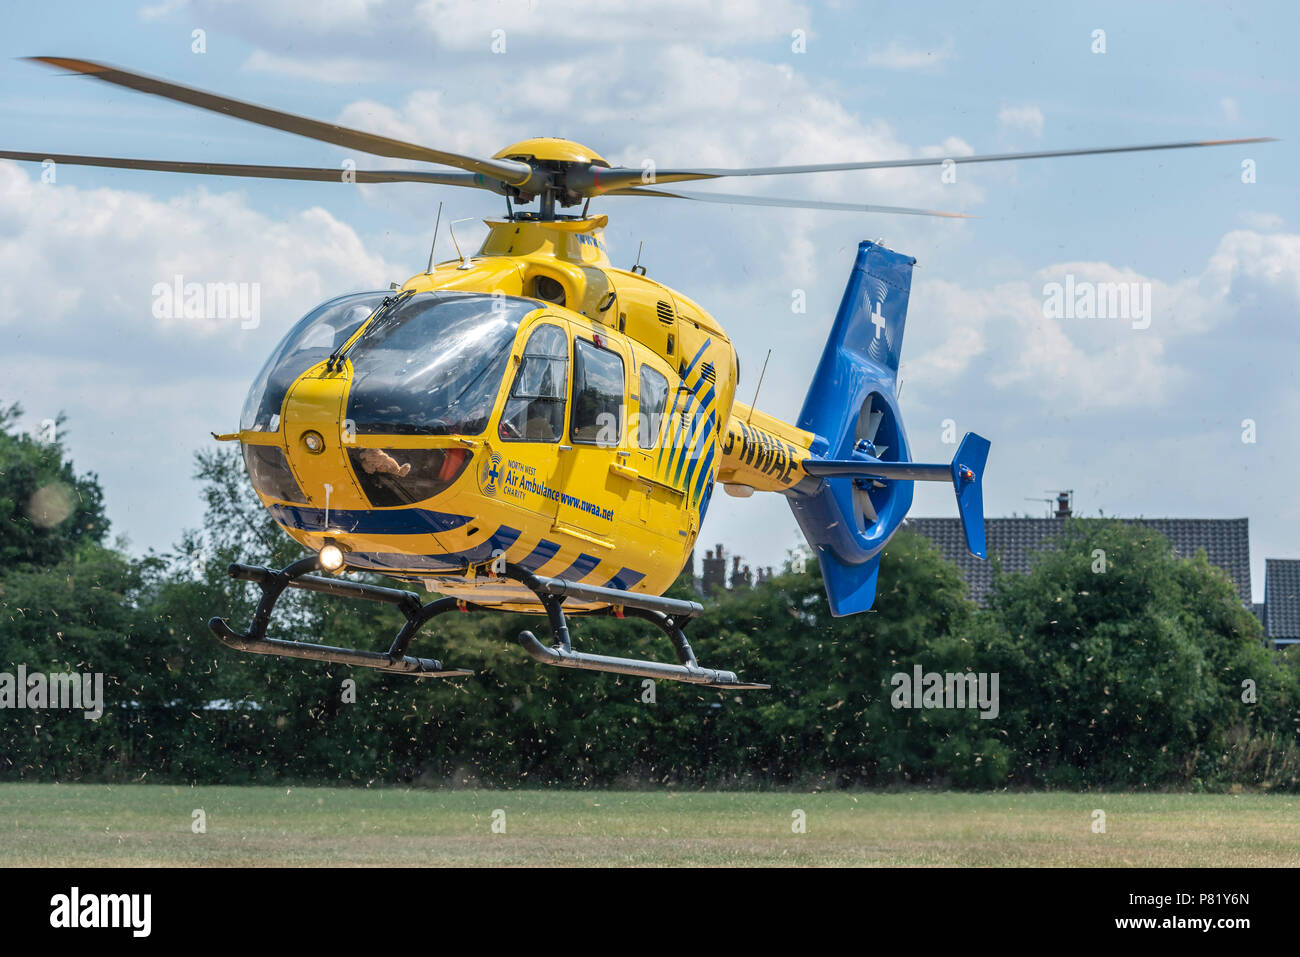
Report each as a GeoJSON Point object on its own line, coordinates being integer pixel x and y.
{"type": "Point", "coordinates": [397, 561]}
{"type": "Point", "coordinates": [539, 556]}
{"type": "Point", "coordinates": [688, 440]}
{"type": "Point", "coordinates": [583, 566]}
{"type": "Point", "coordinates": [690, 450]}
{"type": "Point", "coordinates": [685, 421]}
{"type": "Point", "coordinates": [624, 580]}
{"type": "Point", "coordinates": [691, 364]}
{"type": "Point", "coordinates": [702, 383]}
{"type": "Point", "coordinates": [675, 432]}
{"type": "Point", "coordinates": [704, 432]}
{"type": "Point", "coordinates": [403, 521]}
{"type": "Point", "coordinates": [704, 471]}
{"type": "Point", "coordinates": [667, 443]}
{"type": "Point", "coordinates": [706, 438]}
{"type": "Point", "coordinates": [694, 438]}
{"type": "Point", "coordinates": [686, 410]}
{"type": "Point", "coordinates": [501, 539]}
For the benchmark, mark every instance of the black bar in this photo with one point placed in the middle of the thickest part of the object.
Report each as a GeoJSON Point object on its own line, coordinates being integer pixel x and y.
{"type": "Point", "coordinates": [417, 667]}
{"type": "Point", "coordinates": [338, 587]}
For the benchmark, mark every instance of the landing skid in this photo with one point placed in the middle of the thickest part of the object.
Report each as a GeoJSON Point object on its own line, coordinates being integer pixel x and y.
{"type": "Point", "coordinates": [663, 613]}
{"type": "Point", "coordinates": [666, 614]}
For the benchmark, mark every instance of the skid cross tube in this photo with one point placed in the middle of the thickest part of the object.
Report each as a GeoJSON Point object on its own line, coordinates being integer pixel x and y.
{"type": "Point", "coordinates": [551, 592]}
{"type": "Point", "coordinates": [273, 583]}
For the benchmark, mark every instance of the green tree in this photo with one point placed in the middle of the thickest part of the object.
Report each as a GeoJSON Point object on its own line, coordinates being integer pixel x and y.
{"type": "Point", "coordinates": [1124, 663]}
{"type": "Point", "coordinates": [46, 510]}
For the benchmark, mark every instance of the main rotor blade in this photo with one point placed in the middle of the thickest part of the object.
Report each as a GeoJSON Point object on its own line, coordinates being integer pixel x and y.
{"type": "Point", "coordinates": [731, 199]}
{"type": "Point", "coordinates": [596, 181]}
{"type": "Point", "coordinates": [507, 171]}
{"type": "Point", "coordinates": [311, 173]}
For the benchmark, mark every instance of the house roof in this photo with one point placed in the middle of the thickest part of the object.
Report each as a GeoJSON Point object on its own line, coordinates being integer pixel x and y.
{"type": "Point", "coordinates": [1226, 542]}
{"type": "Point", "coordinates": [1282, 597]}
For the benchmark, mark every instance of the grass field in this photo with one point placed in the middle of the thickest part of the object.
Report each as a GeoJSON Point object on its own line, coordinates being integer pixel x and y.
{"type": "Point", "coordinates": [68, 825]}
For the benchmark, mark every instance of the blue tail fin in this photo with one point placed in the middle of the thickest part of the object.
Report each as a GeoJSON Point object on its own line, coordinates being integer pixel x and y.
{"type": "Point", "coordinates": [861, 469]}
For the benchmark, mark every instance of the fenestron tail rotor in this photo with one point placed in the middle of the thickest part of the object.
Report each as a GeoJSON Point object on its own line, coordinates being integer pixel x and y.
{"type": "Point", "coordinates": [869, 421]}
{"type": "Point", "coordinates": [556, 171]}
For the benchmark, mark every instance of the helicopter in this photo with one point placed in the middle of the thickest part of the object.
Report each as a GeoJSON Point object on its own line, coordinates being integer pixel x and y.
{"type": "Point", "coordinates": [528, 428]}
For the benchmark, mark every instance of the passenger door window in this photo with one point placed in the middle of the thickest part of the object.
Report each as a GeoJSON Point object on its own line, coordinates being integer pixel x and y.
{"type": "Point", "coordinates": [597, 395]}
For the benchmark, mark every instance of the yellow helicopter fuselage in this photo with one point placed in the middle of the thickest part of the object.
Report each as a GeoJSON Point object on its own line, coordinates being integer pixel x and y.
{"type": "Point", "coordinates": [533, 481]}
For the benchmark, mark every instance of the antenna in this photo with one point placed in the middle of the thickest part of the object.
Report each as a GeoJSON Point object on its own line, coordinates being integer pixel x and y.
{"type": "Point", "coordinates": [1063, 500]}
{"type": "Point", "coordinates": [637, 266]}
{"type": "Point", "coordinates": [757, 387]}
{"type": "Point", "coordinates": [436, 223]}
{"type": "Point", "coordinates": [451, 228]}
{"type": "Point", "coordinates": [1049, 501]}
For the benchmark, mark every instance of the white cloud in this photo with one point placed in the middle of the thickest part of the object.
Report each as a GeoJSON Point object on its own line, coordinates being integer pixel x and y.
{"type": "Point", "coordinates": [532, 28]}
{"type": "Point", "coordinates": [898, 56]}
{"type": "Point", "coordinates": [295, 18]}
{"type": "Point", "coordinates": [158, 11]}
{"type": "Point", "coordinates": [1260, 221]}
{"type": "Point", "coordinates": [1000, 336]}
{"type": "Point", "coordinates": [335, 70]}
{"type": "Point", "coordinates": [467, 26]}
{"type": "Point", "coordinates": [1028, 118]}
{"type": "Point", "coordinates": [103, 250]}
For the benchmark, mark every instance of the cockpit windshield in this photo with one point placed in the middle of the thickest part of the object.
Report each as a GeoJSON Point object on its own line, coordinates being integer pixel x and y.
{"type": "Point", "coordinates": [433, 364]}
{"type": "Point", "coordinates": [313, 339]}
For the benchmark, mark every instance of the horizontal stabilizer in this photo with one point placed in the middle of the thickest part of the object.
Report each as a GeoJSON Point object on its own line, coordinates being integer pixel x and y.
{"type": "Point", "coordinates": [966, 472]}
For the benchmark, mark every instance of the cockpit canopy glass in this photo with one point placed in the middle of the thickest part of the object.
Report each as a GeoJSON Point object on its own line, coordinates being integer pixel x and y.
{"type": "Point", "coordinates": [313, 339]}
{"type": "Point", "coordinates": [433, 364]}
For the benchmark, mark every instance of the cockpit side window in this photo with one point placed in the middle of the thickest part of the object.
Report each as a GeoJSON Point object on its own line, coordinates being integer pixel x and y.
{"type": "Point", "coordinates": [313, 338]}
{"type": "Point", "coordinates": [597, 394]}
{"type": "Point", "coordinates": [535, 410]}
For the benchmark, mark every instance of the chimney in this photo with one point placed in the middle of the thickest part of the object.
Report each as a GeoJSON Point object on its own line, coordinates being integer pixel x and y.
{"type": "Point", "coordinates": [713, 574]}
{"type": "Point", "coordinates": [1063, 500]}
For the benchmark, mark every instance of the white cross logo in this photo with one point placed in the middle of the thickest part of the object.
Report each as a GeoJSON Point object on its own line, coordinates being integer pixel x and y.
{"type": "Point", "coordinates": [877, 319]}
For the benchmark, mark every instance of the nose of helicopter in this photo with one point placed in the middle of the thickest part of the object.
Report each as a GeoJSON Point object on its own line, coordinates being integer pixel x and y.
{"type": "Point", "coordinates": [343, 474]}
{"type": "Point", "coordinates": [314, 437]}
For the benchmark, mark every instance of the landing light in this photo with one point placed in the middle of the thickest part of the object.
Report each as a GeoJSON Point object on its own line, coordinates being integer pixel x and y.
{"type": "Point", "coordinates": [331, 558]}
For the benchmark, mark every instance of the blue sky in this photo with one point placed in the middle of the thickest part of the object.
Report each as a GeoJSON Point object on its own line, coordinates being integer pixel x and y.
{"type": "Point", "coordinates": [1136, 421]}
